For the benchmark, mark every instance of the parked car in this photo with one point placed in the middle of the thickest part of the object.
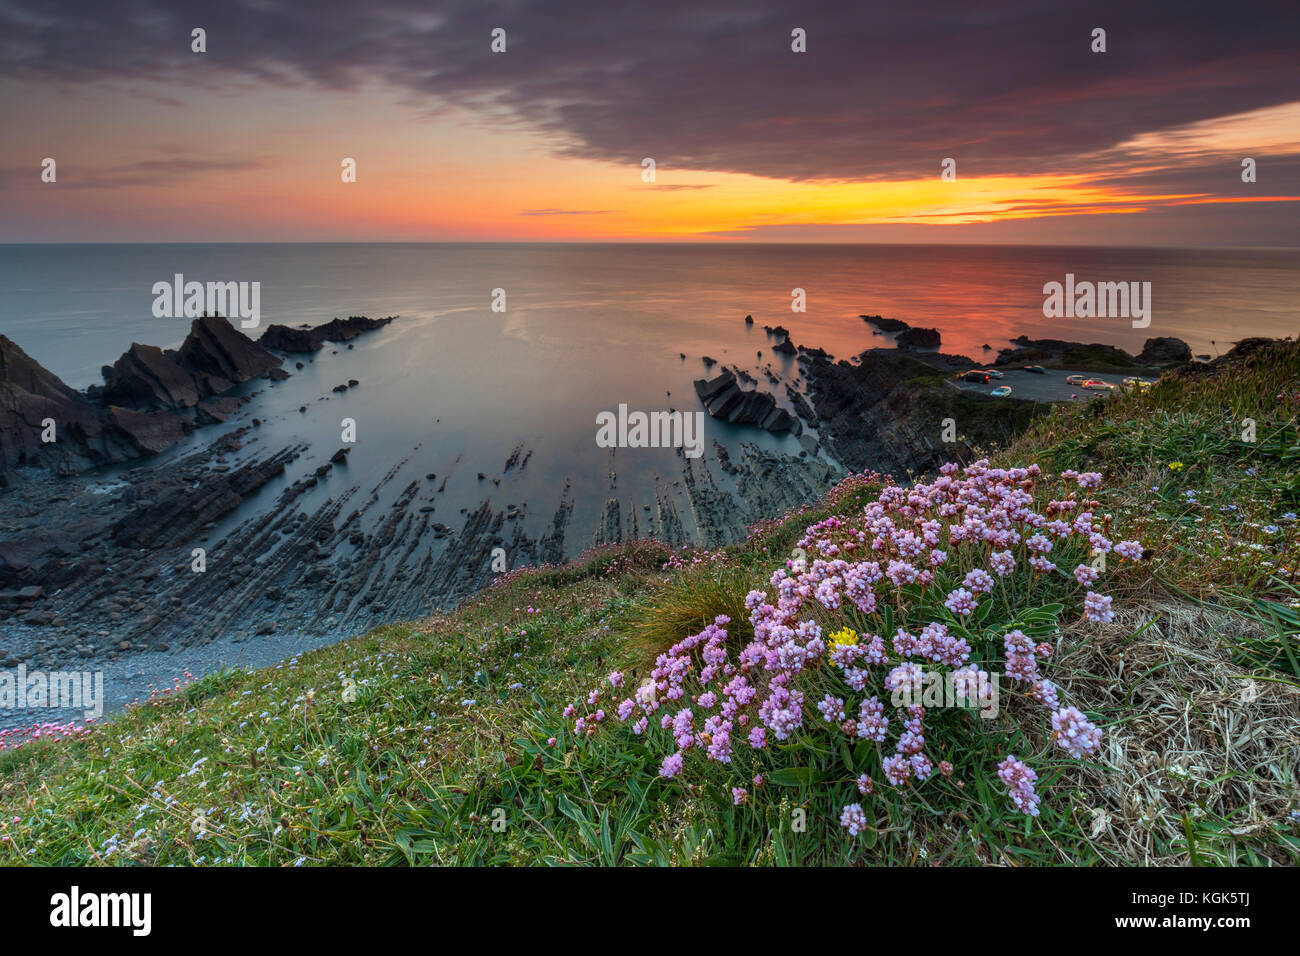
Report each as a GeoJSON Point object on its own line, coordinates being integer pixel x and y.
{"type": "Point", "coordinates": [992, 373]}
{"type": "Point", "coordinates": [1075, 379]}
{"type": "Point", "coordinates": [1002, 391]}
{"type": "Point", "coordinates": [974, 375]}
{"type": "Point", "coordinates": [1036, 369]}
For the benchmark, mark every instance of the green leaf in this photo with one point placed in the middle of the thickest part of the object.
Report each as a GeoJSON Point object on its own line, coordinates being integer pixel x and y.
{"type": "Point", "coordinates": [869, 837]}
{"type": "Point", "coordinates": [847, 757]}
{"type": "Point", "coordinates": [796, 776]}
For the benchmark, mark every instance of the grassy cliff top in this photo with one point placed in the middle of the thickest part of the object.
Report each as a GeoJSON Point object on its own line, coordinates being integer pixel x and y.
{"type": "Point", "coordinates": [429, 742]}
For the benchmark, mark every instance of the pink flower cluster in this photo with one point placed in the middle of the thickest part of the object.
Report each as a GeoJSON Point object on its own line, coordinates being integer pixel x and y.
{"type": "Point", "coordinates": [15, 737]}
{"type": "Point", "coordinates": [1076, 735]}
{"type": "Point", "coordinates": [1020, 781]}
{"type": "Point", "coordinates": [980, 528]}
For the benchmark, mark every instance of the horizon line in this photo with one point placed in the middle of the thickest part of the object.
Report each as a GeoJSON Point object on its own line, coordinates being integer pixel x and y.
{"type": "Point", "coordinates": [633, 242]}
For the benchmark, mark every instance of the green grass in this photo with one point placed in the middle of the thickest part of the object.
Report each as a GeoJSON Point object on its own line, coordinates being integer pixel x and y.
{"type": "Point", "coordinates": [1086, 358]}
{"type": "Point", "coordinates": [1213, 502]}
{"type": "Point", "coordinates": [368, 752]}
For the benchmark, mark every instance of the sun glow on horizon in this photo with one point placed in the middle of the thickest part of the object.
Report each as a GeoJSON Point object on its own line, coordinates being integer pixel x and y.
{"type": "Point", "coordinates": [456, 175]}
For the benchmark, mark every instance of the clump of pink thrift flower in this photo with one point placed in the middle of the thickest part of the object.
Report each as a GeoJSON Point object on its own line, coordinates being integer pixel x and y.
{"type": "Point", "coordinates": [960, 602]}
{"type": "Point", "coordinates": [1132, 550]}
{"type": "Point", "coordinates": [1075, 734]}
{"type": "Point", "coordinates": [856, 573]}
{"type": "Point", "coordinates": [1096, 607]}
{"type": "Point", "coordinates": [1020, 781]}
{"type": "Point", "coordinates": [853, 819]}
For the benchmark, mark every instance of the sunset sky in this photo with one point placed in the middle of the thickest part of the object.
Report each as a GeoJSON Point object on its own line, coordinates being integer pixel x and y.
{"type": "Point", "coordinates": [1053, 143]}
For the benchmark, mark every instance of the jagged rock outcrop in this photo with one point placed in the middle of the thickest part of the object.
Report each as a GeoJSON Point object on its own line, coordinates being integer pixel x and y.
{"type": "Point", "coordinates": [134, 414]}
{"type": "Point", "coordinates": [914, 338]}
{"type": "Point", "coordinates": [212, 360]}
{"type": "Point", "coordinates": [909, 337]}
{"type": "Point", "coordinates": [1164, 350]}
{"type": "Point", "coordinates": [313, 338]}
{"type": "Point", "coordinates": [146, 378]}
{"type": "Point", "coordinates": [141, 408]}
{"type": "Point", "coordinates": [886, 325]}
{"type": "Point", "coordinates": [726, 400]}
{"type": "Point", "coordinates": [217, 354]}
{"type": "Point", "coordinates": [33, 400]}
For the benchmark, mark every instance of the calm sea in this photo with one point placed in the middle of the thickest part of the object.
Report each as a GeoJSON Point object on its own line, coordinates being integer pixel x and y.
{"type": "Point", "coordinates": [602, 309]}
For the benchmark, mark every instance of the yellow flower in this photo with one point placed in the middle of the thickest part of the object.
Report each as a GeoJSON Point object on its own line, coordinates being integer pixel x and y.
{"type": "Point", "coordinates": [1175, 466]}
{"type": "Point", "coordinates": [845, 635]}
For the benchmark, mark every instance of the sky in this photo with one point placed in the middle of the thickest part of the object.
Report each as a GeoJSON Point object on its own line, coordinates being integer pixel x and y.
{"type": "Point", "coordinates": [751, 140]}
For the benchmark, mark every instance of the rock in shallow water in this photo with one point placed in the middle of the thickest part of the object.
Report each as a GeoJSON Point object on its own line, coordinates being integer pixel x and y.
{"type": "Point", "coordinates": [726, 400]}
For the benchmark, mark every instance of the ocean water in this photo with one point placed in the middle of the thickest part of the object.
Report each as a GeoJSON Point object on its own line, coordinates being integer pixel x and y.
{"type": "Point", "coordinates": [454, 388]}
{"type": "Point", "coordinates": [77, 307]}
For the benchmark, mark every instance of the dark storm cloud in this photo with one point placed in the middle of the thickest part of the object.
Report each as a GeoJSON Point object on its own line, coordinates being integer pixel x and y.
{"type": "Point", "coordinates": [1275, 176]}
{"type": "Point", "coordinates": [885, 89]}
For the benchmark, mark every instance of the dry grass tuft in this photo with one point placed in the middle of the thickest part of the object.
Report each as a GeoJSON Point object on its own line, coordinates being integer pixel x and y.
{"type": "Point", "coordinates": [686, 604]}
{"type": "Point", "coordinates": [1199, 760]}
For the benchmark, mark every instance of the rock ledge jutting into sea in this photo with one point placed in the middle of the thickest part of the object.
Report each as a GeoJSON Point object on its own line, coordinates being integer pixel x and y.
{"type": "Point", "coordinates": [213, 359]}
{"type": "Point", "coordinates": [908, 337]}
{"type": "Point", "coordinates": [144, 406]}
{"type": "Point", "coordinates": [313, 338]}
